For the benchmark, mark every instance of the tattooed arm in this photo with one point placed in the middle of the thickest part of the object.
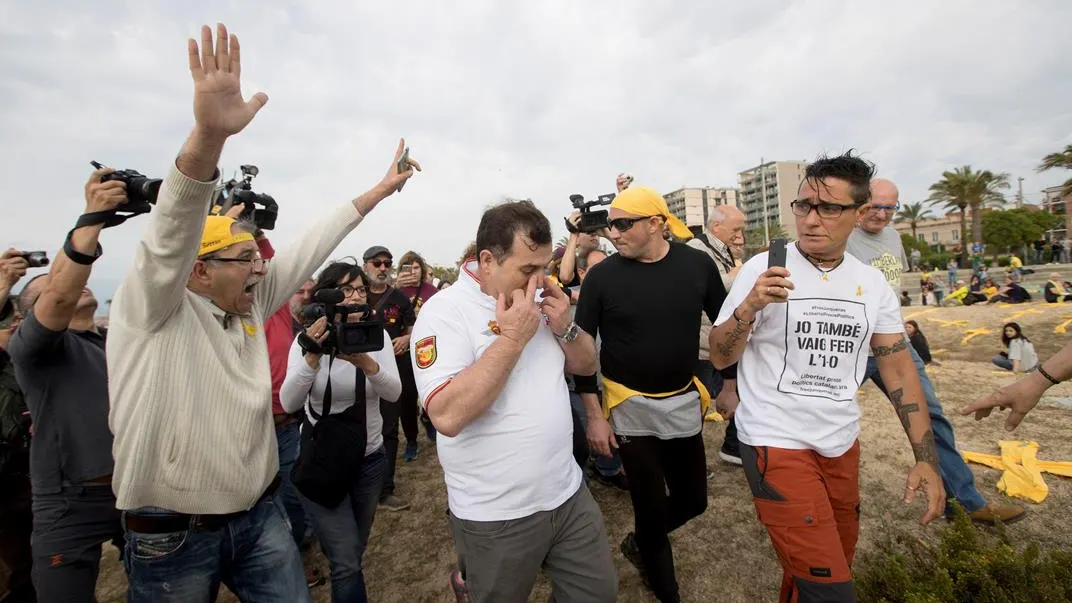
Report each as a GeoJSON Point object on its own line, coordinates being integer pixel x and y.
{"type": "Point", "coordinates": [901, 378]}
{"type": "Point", "coordinates": [727, 340]}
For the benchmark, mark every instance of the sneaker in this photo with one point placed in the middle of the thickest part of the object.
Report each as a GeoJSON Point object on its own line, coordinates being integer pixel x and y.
{"type": "Point", "coordinates": [631, 552]}
{"type": "Point", "coordinates": [991, 513]}
{"type": "Point", "coordinates": [410, 454]}
{"type": "Point", "coordinates": [618, 480]}
{"type": "Point", "coordinates": [730, 455]}
{"type": "Point", "coordinates": [392, 502]}
{"type": "Point", "coordinates": [457, 584]}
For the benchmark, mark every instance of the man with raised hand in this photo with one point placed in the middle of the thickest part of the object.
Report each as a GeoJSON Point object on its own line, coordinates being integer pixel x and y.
{"type": "Point", "coordinates": [195, 456]}
{"type": "Point", "coordinates": [876, 243]}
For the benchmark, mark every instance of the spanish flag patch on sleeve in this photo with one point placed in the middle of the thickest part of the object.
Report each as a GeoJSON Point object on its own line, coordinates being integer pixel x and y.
{"type": "Point", "coordinates": [425, 352]}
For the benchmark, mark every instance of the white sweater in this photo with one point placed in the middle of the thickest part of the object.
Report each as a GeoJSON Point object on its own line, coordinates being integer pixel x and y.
{"type": "Point", "coordinates": [190, 387]}
{"type": "Point", "coordinates": [304, 387]}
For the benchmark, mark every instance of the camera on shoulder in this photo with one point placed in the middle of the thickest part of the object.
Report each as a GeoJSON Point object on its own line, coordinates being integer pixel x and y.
{"type": "Point", "coordinates": [344, 336]}
{"type": "Point", "coordinates": [590, 220]}
{"type": "Point", "coordinates": [260, 208]}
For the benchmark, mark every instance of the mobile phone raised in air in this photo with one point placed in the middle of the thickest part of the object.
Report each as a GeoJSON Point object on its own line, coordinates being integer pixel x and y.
{"type": "Point", "coordinates": [776, 254]}
{"type": "Point", "coordinates": [403, 165]}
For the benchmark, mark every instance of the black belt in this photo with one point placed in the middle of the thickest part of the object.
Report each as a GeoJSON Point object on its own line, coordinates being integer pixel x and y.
{"type": "Point", "coordinates": [180, 522]}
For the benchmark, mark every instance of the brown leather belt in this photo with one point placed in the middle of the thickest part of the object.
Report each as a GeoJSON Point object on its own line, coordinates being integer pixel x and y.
{"type": "Point", "coordinates": [180, 522]}
{"type": "Point", "coordinates": [282, 420]}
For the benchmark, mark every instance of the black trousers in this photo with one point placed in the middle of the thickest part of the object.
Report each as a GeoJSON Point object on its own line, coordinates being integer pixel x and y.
{"type": "Point", "coordinates": [405, 408]}
{"type": "Point", "coordinates": [655, 466]}
{"type": "Point", "coordinates": [16, 523]}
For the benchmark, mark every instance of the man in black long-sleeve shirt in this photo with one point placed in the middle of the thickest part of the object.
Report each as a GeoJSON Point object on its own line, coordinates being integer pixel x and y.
{"type": "Point", "coordinates": [645, 303]}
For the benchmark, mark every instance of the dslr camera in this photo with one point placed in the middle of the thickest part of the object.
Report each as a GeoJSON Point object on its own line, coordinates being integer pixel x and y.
{"type": "Point", "coordinates": [142, 191]}
{"type": "Point", "coordinates": [590, 221]}
{"type": "Point", "coordinates": [35, 259]}
{"type": "Point", "coordinates": [261, 209]}
{"type": "Point", "coordinates": [343, 337]}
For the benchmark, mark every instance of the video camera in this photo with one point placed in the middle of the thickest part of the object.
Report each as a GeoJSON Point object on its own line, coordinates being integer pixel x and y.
{"type": "Point", "coordinates": [142, 191]}
{"type": "Point", "coordinates": [590, 221]}
{"type": "Point", "coordinates": [234, 192]}
{"type": "Point", "coordinates": [343, 337]}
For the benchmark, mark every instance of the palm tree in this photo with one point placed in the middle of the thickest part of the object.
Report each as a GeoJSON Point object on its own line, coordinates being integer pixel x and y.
{"type": "Point", "coordinates": [913, 213]}
{"type": "Point", "coordinates": [1062, 159]}
{"type": "Point", "coordinates": [964, 188]}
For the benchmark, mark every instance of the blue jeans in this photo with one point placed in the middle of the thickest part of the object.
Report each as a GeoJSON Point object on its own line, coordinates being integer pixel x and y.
{"type": "Point", "coordinates": [288, 439]}
{"type": "Point", "coordinates": [1002, 362]}
{"type": "Point", "coordinates": [344, 531]}
{"type": "Point", "coordinates": [606, 466]}
{"type": "Point", "coordinates": [253, 554]}
{"type": "Point", "coordinates": [957, 477]}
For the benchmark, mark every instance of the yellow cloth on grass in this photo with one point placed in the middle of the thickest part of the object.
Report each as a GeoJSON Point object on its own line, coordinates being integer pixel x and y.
{"type": "Point", "coordinates": [615, 393]}
{"type": "Point", "coordinates": [1022, 475]}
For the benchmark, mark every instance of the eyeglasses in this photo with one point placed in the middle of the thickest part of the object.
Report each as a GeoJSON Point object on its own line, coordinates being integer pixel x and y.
{"type": "Point", "coordinates": [889, 208]}
{"type": "Point", "coordinates": [381, 263]}
{"type": "Point", "coordinates": [255, 264]}
{"type": "Point", "coordinates": [347, 290]}
{"type": "Point", "coordinates": [825, 210]}
{"type": "Point", "coordinates": [624, 224]}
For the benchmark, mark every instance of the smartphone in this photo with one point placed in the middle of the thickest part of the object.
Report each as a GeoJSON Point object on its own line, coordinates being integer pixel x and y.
{"type": "Point", "coordinates": [403, 165]}
{"type": "Point", "coordinates": [776, 254]}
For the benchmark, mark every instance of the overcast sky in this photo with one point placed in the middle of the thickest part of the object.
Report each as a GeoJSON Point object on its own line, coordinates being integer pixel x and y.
{"type": "Point", "coordinates": [524, 99]}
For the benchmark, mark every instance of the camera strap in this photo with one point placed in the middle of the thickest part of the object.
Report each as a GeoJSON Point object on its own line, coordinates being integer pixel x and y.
{"type": "Point", "coordinates": [112, 217]}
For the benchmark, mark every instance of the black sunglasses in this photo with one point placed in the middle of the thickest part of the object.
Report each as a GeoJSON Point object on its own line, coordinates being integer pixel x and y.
{"type": "Point", "coordinates": [624, 224]}
{"type": "Point", "coordinates": [381, 263]}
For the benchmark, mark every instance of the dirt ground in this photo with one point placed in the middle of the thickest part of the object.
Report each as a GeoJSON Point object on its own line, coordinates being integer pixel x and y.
{"type": "Point", "coordinates": [724, 555]}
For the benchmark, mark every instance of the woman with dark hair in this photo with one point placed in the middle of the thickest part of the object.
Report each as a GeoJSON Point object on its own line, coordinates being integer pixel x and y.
{"type": "Point", "coordinates": [918, 340]}
{"type": "Point", "coordinates": [1020, 356]}
{"type": "Point", "coordinates": [354, 379]}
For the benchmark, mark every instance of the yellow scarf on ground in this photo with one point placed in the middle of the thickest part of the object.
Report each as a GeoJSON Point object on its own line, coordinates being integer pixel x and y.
{"type": "Point", "coordinates": [615, 393]}
{"type": "Point", "coordinates": [1022, 475]}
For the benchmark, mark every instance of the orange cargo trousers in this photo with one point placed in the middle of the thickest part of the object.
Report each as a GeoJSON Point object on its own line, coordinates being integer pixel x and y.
{"type": "Point", "coordinates": [810, 505]}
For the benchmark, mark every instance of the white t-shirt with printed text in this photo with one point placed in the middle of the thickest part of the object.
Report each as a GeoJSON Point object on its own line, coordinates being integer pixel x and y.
{"type": "Point", "coordinates": [516, 458]}
{"type": "Point", "coordinates": [806, 358]}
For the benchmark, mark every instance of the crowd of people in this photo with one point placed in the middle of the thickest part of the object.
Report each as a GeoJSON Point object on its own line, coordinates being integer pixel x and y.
{"type": "Point", "coordinates": [228, 417]}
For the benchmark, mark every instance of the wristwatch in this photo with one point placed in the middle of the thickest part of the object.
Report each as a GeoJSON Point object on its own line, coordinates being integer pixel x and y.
{"type": "Point", "coordinates": [571, 333]}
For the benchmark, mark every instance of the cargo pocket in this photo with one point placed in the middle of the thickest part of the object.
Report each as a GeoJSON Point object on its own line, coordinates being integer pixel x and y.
{"type": "Point", "coordinates": [796, 530]}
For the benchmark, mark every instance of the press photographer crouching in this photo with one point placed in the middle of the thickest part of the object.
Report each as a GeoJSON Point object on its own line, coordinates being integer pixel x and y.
{"type": "Point", "coordinates": [338, 371]}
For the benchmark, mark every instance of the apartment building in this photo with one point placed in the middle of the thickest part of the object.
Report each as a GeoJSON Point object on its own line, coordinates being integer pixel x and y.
{"type": "Point", "coordinates": [944, 231]}
{"type": "Point", "coordinates": [765, 193]}
{"type": "Point", "coordinates": [693, 205]}
{"type": "Point", "coordinates": [1055, 203]}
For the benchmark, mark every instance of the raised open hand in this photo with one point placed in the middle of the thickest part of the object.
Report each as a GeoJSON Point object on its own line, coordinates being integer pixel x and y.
{"type": "Point", "coordinates": [219, 109]}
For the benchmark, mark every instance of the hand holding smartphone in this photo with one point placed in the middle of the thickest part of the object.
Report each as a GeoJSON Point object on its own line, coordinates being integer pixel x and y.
{"type": "Point", "coordinates": [776, 254]}
{"type": "Point", "coordinates": [403, 165]}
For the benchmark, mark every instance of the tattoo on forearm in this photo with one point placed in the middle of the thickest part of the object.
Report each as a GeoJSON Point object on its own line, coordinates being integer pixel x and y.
{"type": "Point", "coordinates": [903, 410]}
{"type": "Point", "coordinates": [886, 350]}
{"type": "Point", "coordinates": [925, 451]}
{"type": "Point", "coordinates": [726, 346]}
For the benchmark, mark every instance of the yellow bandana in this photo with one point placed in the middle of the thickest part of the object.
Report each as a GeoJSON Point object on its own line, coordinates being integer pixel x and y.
{"type": "Point", "coordinates": [217, 235]}
{"type": "Point", "coordinates": [643, 201]}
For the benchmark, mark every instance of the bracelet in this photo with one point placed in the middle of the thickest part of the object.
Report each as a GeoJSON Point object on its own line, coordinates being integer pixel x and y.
{"type": "Point", "coordinates": [77, 256]}
{"type": "Point", "coordinates": [743, 322]}
{"type": "Point", "coordinates": [1043, 372]}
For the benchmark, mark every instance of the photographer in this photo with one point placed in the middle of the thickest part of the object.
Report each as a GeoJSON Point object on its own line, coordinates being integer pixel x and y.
{"type": "Point", "coordinates": [16, 518]}
{"type": "Point", "coordinates": [59, 363]}
{"type": "Point", "coordinates": [579, 243]}
{"type": "Point", "coordinates": [195, 457]}
{"type": "Point", "coordinates": [364, 379]}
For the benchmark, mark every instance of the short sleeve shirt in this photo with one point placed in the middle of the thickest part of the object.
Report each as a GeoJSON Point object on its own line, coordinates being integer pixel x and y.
{"type": "Point", "coordinates": [516, 458]}
{"type": "Point", "coordinates": [806, 358]}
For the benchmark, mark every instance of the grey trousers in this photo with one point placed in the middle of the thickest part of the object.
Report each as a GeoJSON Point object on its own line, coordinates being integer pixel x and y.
{"type": "Point", "coordinates": [501, 559]}
{"type": "Point", "coordinates": [68, 531]}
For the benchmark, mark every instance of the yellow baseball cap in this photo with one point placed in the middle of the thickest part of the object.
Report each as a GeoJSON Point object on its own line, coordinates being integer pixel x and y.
{"type": "Point", "coordinates": [644, 201]}
{"type": "Point", "coordinates": [217, 235]}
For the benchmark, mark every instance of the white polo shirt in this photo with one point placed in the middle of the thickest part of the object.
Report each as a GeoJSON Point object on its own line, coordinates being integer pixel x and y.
{"type": "Point", "coordinates": [806, 358]}
{"type": "Point", "coordinates": [516, 459]}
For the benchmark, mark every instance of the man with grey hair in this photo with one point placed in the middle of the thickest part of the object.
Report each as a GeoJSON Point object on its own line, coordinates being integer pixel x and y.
{"type": "Point", "coordinates": [876, 243]}
{"type": "Point", "coordinates": [723, 242]}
